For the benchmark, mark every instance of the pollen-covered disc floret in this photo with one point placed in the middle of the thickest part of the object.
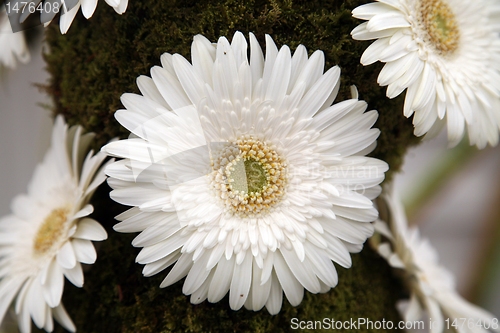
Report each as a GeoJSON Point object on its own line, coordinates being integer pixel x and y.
{"type": "Point", "coordinates": [249, 177]}
{"type": "Point", "coordinates": [439, 26]}
{"type": "Point", "coordinates": [446, 55]}
{"type": "Point", "coordinates": [431, 286]}
{"type": "Point", "coordinates": [48, 235]}
{"type": "Point", "coordinates": [243, 175]}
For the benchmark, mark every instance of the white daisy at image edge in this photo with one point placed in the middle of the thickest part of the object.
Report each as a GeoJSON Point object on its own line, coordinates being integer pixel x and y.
{"type": "Point", "coordinates": [88, 9]}
{"type": "Point", "coordinates": [48, 235]}
{"type": "Point", "coordinates": [446, 55]}
{"type": "Point", "coordinates": [13, 46]}
{"type": "Point", "coordinates": [432, 286]}
{"type": "Point", "coordinates": [243, 175]}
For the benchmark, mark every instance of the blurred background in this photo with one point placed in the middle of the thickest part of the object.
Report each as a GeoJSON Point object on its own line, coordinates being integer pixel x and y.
{"type": "Point", "coordinates": [452, 194]}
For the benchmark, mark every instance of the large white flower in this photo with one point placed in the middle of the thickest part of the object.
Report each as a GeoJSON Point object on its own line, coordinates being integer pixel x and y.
{"type": "Point", "coordinates": [432, 287]}
{"type": "Point", "coordinates": [446, 53]}
{"type": "Point", "coordinates": [49, 235]}
{"type": "Point", "coordinates": [12, 45]}
{"type": "Point", "coordinates": [243, 174]}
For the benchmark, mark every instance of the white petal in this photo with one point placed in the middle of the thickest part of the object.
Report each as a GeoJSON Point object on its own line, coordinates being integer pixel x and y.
{"type": "Point", "coordinates": [240, 283]}
{"type": "Point", "coordinates": [372, 53]}
{"type": "Point", "coordinates": [189, 79]}
{"type": "Point", "coordinates": [36, 304]}
{"type": "Point", "coordinates": [180, 270]}
{"type": "Point", "coordinates": [362, 33]}
{"type": "Point", "coordinates": [135, 221]}
{"type": "Point", "coordinates": [414, 311]}
{"type": "Point", "coordinates": [161, 264]}
{"type": "Point", "coordinates": [90, 229]}
{"type": "Point", "coordinates": [88, 7]}
{"type": "Point", "coordinates": [319, 92]}
{"type": "Point", "coordinates": [84, 251]}
{"type": "Point", "coordinates": [256, 59]}
{"type": "Point", "coordinates": [67, 18]}
{"type": "Point", "coordinates": [367, 11]}
{"type": "Point", "coordinates": [161, 249]}
{"type": "Point", "coordinates": [8, 289]}
{"type": "Point", "coordinates": [170, 88]}
{"type": "Point", "coordinates": [53, 287]}
{"type": "Point", "coordinates": [388, 20]}
{"type": "Point", "coordinates": [75, 275]}
{"type": "Point", "coordinates": [149, 90]}
{"type": "Point", "coordinates": [275, 300]}
{"type": "Point", "coordinates": [278, 84]}
{"type": "Point", "coordinates": [222, 280]}
{"type": "Point", "coordinates": [196, 276]}
{"type": "Point", "coordinates": [87, 210]}
{"type": "Point", "coordinates": [322, 266]}
{"type": "Point", "coordinates": [302, 271]}
{"type": "Point", "coordinates": [293, 289]}
{"type": "Point", "coordinates": [63, 318]}
{"type": "Point", "coordinates": [456, 124]}
{"type": "Point", "coordinates": [259, 292]}
{"type": "Point", "coordinates": [66, 256]}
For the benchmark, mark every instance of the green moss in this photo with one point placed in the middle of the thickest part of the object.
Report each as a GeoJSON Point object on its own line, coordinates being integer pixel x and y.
{"type": "Point", "coordinates": [100, 59]}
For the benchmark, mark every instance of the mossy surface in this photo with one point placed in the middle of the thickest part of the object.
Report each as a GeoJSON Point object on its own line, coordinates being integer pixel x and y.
{"type": "Point", "coordinates": [100, 59]}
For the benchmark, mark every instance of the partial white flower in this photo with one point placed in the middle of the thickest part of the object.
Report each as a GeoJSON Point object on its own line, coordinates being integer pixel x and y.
{"type": "Point", "coordinates": [243, 175]}
{"type": "Point", "coordinates": [88, 9]}
{"type": "Point", "coordinates": [432, 287]}
{"type": "Point", "coordinates": [446, 54]}
{"type": "Point", "coordinates": [48, 235]}
{"type": "Point", "coordinates": [13, 46]}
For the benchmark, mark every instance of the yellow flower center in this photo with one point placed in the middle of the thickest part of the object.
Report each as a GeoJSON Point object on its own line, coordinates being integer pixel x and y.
{"type": "Point", "coordinates": [440, 24]}
{"type": "Point", "coordinates": [249, 176]}
{"type": "Point", "coordinates": [50, 231]}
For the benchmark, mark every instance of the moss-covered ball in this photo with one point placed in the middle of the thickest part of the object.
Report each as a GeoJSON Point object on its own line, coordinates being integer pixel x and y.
{"type": "Point", "coordinates": [99, 59]}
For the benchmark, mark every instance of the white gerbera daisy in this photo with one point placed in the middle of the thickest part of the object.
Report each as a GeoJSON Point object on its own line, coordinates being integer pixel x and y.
{"type": "Point", "coordinates": [446, 53]}
{"type": "Point", "coordinates": [432, 287]}
{"type": "Point", "coordinates": [12, 45]}
{"type": "Point", "coordinates": [243, 174]}
{"type": "Point", "coordinates": [48, 235]}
